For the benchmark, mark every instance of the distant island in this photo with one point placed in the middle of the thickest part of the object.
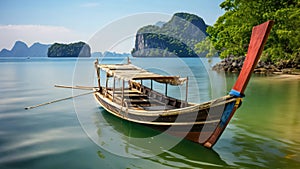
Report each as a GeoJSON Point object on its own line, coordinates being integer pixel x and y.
{"type": "Point", "coordinates": [20, 49]}
{"type": "Point", "coordinates": [79, 49]}
{"type": "Point", "coordinates": [175, 38]}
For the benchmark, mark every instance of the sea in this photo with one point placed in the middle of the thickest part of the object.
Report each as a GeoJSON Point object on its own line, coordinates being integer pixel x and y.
{"type": "Point", "coordinates": [76, 132]}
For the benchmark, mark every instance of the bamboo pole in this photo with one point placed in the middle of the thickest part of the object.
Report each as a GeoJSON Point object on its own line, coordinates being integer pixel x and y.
{"type": "Point", "coordinates": [128, 60]}
{"type": "Point", "coordinates": [123, 84]}
{"type": "Point", "coordinates": [106, 82]}
{"type": "Point", "coordinates": [166, 89]}
{"type": "Point", "coordinates": [58, 100]}
{"type": "Point", "coordinates": [98, 73]}
{"type": "Point", "coordinates": [186, 88]}
{"type": "Point", "coordinates": [98, 78]}
{"type": "Point", "coordinates": [75, 87]}
{"type": "Point", "coordinates": [106, 85]}
{"type": "Point", "coordinates": [114, 84]}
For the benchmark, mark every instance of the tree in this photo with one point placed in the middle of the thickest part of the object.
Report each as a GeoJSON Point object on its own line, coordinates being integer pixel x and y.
{"type": "Point", "coordinates": [230, 35]}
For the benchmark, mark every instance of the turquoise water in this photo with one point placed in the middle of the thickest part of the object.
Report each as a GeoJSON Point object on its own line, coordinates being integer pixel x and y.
{"type": "Point", "coordinates": [78, 133]}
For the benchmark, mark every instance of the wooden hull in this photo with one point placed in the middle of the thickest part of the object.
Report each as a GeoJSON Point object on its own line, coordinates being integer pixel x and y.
{"type": "Point", "coordinates": [200, 123]}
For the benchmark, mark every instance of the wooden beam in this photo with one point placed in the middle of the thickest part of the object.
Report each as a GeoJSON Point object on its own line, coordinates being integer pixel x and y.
{"type": "Point", "coordinates": [76, 87]}
{"type": "Point", "coordinates": [166, 90]}
{"type": "Point", "coordinates": [186, 88]}
{"type": "Point", "coordinates": [113, 94]}
{"type": "Point", "coordinates": [106, 81]}
{"type": "Point", "coordinates": [258, 39]}
{"type": "Point", "coordinates": [123, 84]}
{"type": "Point", "coordinates": [58, 100]}
{"type": "Point", "coordinates": [98, 73]}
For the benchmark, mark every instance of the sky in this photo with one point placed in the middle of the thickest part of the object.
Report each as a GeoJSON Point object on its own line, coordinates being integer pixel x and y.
{"type": "Point", "coordinates": [67, 21]}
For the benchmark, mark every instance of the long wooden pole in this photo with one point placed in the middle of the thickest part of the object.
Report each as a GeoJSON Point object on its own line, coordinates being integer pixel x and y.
{"type": "Point", "coordinates": [75, 87]}
{"type": "Point", "coordinates": [106, 82]}
{"type": "Point", "coordinates": [166, 89]}
{"type": "Point", "coordinates": [186, 89]}
{"type": "Point", "coordinates": [98, 73]}
{"type": "Point", "coordinates": [114, 85]}
{"type": "Point", "coordinates": [123, 84]}
{"type": "Point", "coordinates": [58, 100]}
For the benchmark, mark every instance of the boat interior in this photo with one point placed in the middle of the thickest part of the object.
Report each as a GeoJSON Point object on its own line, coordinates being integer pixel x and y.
{"type": "Point", "coordinates": [140, 97]}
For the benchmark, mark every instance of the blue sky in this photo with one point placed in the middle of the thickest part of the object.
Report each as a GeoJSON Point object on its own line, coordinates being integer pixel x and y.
{"type": "Point", "coordinates": [66, 21]}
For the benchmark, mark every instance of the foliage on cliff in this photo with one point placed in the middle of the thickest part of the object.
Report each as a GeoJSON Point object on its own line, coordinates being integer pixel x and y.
{"type": "Point", "coordinates": [177, 37]}
{"type": "Point", "coordinates": [231, 33]}
{"type": "Point", "coordinates": [79, 49]}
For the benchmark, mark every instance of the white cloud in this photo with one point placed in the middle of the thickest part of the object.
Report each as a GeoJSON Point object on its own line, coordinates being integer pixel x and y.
{"type": "Point", "coordinates": [36, 33]}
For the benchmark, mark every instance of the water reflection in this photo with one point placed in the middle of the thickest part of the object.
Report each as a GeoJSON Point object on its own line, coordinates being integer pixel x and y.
{"type": "Point", "coordinates": [265, 131]}
{"type": "Point", "coordinates": [115, 133]}
{"type": "Point", "coordinates": [245, 148]}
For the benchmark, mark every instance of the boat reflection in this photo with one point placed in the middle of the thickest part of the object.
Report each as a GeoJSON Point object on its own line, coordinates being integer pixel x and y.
{"type": "Point", "coordinates": [119, 137]}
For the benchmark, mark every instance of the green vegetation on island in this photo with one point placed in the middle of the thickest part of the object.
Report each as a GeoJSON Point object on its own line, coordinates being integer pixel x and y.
{"type": "Point", "coordinates": [177, 37]}
{"type": "Point", "coordinates": [230, 35]}
{"type": "Point", "coordinates": [79, 49]}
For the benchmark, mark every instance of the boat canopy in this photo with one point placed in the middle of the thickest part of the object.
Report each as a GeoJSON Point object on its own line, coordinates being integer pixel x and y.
{"type": "Point", "coordinates": [132, 72]}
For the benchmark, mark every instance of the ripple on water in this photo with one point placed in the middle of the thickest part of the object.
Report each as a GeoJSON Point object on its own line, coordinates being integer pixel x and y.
{"type": "Point", "coordinates": [36, 145]}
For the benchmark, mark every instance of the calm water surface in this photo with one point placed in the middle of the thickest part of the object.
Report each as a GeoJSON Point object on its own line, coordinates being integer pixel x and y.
{"type": "Point", "coordinates": [78, 133]}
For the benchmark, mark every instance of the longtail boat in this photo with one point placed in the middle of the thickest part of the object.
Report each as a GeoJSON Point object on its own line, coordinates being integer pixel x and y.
{"type": "Point", "coordinates": [201, 123]}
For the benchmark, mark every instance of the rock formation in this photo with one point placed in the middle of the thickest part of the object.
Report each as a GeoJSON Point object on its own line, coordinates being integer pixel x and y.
{"type": "Point", "coordinates": [177, 37]}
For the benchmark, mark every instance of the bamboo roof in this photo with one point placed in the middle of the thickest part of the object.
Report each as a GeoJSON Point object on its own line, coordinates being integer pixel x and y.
{"type": "Point", "coordinates": [132, 72]}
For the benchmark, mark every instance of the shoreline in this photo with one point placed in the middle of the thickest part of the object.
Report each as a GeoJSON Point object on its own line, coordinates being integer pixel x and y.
{"type": "Point", "coordinates": [285, 77]}
{"type": "Point", "coordinates": [234, 64]}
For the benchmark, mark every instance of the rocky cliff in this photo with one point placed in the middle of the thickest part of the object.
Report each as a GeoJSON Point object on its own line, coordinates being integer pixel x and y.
{"type": "Point", "coordinates": [79, 49]}
{"type": "Point", "coordinates": [176, 37]}
{"type": "Point", "coordinates": [234, 64]}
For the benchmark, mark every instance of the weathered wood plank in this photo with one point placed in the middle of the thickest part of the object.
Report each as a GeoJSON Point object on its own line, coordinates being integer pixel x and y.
{"type": "Point", "coordinates": [258, 39]}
